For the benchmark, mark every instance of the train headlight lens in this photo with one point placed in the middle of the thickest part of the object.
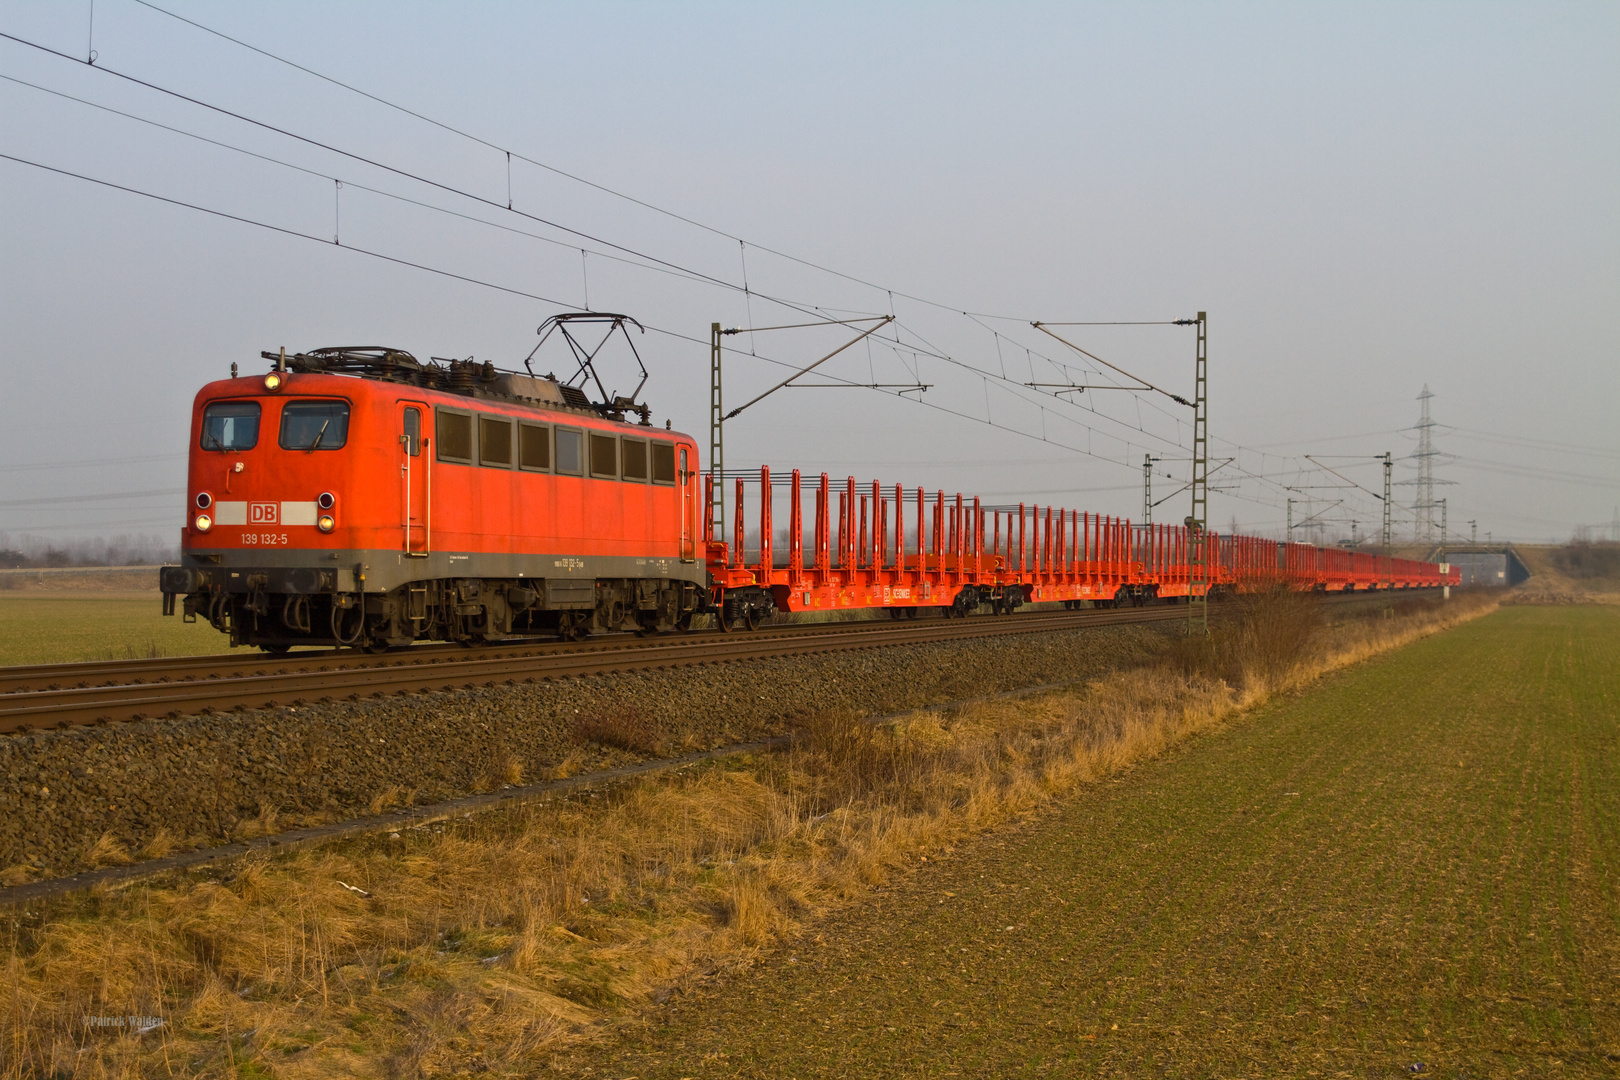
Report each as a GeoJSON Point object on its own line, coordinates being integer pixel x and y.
{"type": "Point", "coordinates": [272, 381]}
{"type": "Point", "coordinates": [204, 523]}
{"type": "Point", "coordinates": [326, 501]}
{"type": "Point", "coordinates": [204, 500]}
{"type": "Point", "coordinates": [326, 523]}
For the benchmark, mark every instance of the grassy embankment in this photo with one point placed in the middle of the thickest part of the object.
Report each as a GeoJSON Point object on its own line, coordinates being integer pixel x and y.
{"type": "Point", "coordinates": [492, 944]}
{"type": "Point", "coordinates": [1569, 574]}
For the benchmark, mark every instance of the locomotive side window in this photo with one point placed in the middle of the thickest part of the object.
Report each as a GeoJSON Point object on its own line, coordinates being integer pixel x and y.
{"type": "Point", "coordinates": [570, 452]}
{"type": "Point", "coordinates": [663, 463]}
{"type": "Point", "coordinates": [454, 435]}
{"type": "Point", "coordinates": [604, 456]}
{"type": "Point", "coordinates": [413, 432]}
{"type": "Point", "coordinates": [314, 425]}
{"type": "Point", "coordinates": [495, 442]}
{"type": "Point", "coordinates": [230, 425]}
{"type": "Point", "coordinates": [534, 447]}
{"type": "Point", "coordinates": [635, 460]}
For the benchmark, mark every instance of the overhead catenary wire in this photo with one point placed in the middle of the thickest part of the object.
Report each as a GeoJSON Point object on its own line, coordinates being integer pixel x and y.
{"type": "Point", "coordinates": [358, 186]}
{"type": "Point", "coordinates": [748, 292]}
{"type": "Point", "coordinates": [468, 279]}
{"type": "Point", "coordinates": [651, 261]}
{"type": "Point", "coordinates": [510, 153]}
{"type": "Point", "coordinates": [374, 163]}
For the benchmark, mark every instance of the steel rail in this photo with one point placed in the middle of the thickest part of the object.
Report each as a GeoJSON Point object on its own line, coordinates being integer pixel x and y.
{"type": "Point", "coordinates": [133, 701]}
{"type": "Point", "coordinates": [84, 675]}
{"type": "Point", "coordinates": [231, 683]}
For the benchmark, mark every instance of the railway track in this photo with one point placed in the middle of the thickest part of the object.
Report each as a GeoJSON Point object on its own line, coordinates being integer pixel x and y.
{"type": "Point", "coordinates": [67, 695]}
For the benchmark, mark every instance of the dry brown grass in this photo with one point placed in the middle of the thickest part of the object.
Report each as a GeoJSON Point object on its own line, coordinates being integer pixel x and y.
{"type": "Point", "coordinates": [485, 945]}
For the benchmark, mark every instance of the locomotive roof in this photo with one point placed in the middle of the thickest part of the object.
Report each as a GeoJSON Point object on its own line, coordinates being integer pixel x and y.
{"type": "Point", "coordinates": [465, 377]}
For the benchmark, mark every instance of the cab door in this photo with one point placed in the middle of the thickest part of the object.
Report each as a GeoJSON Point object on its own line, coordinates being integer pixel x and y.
{"type": "Point", "coordinates": [416, 479]}
{"type": "Point", "coordinates": [688, 497]}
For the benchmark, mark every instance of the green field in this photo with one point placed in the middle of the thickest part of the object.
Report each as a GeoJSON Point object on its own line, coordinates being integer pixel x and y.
{"type": "Point", "coordinates": [1410, 870]}
{"type": "Point", "coordinates": [51, 627]}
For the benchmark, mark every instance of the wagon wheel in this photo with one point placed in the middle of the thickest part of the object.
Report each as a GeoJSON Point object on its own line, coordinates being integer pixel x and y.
{"type": "Point", "coordinates": [752, 617]}
{"type": "Point", "coordinates": [897, 613]}
{"type": "Point", "coordinates": [721, 623]}
{"type": "Point", "coordinates": [911, 612]}
{"type": "Point", "coordinates": [278, 649]}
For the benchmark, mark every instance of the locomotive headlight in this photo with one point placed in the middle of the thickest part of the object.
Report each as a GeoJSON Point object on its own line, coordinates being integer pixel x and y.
{"type": "Point", "coordinates": [204, 523]}
{"type": "Point", "coordinates": [326, 501]}
{"type": "Point", "coordinates": [326, 523]}
{"type": "Point", "coordinates": [204, 500]}
{"type": "Point", "coordinates": [272, 381]}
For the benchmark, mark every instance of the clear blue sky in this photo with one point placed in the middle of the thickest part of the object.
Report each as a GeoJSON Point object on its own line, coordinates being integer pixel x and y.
{"type": "Point", "coordinates": [1365, 198]}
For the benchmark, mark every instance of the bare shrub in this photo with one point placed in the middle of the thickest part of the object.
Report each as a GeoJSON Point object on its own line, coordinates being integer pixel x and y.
{"type": "Point", "coordinates": [626, 729]}
{"type": "Point", "coordinates": [1586, 560]}
{"type": "Point", "coordinates": [1274, 632]}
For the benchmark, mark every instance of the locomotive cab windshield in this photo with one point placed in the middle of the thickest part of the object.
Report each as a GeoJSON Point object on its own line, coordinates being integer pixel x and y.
{"type": "Point", "coordinates": [230, 425]}
{"type": "Point", "coordinates": [314, 425]}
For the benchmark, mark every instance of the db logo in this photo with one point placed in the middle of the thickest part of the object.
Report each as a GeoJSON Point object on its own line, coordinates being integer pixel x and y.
{"type": "Point", "coordinates": [262, 513]}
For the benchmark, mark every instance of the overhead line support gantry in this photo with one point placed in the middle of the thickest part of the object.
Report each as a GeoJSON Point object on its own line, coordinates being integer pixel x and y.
{"type": "Point", "coordinates": [1201, 560]}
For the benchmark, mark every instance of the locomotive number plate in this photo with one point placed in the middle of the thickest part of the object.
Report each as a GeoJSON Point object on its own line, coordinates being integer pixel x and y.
{"type": "Point", "coordinates": [264, 539]}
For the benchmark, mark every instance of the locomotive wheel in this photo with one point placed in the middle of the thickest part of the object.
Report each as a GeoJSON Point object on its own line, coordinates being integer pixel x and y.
{"type": "Point", "coordinates": [276, 650]}
{"type": "Point", "coordinates": [684, 623]}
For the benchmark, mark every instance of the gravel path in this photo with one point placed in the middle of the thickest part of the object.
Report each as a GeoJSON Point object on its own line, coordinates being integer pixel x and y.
{"type": "Point", "coordinates": [203, 779]}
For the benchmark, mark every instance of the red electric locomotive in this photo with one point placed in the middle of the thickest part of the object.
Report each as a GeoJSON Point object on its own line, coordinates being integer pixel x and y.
{"type": "Point", "coordinates": [443, 500]}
